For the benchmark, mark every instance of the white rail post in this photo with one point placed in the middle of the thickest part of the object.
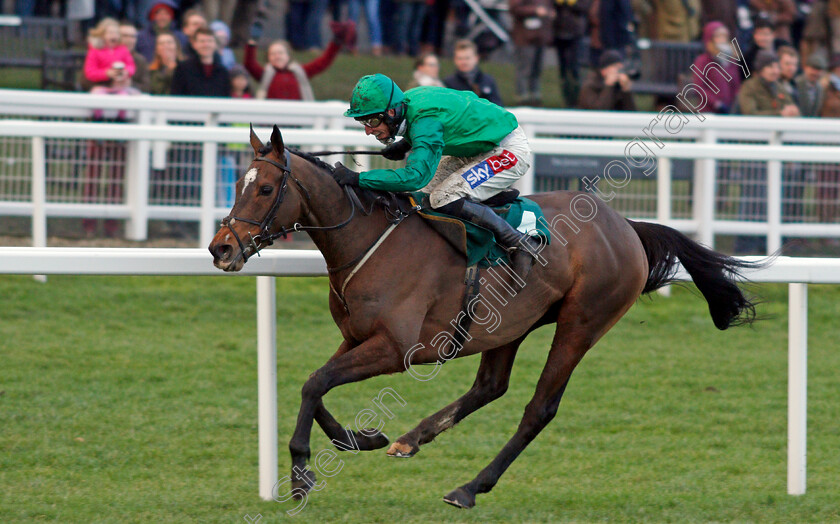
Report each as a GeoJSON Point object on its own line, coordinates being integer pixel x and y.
{"type": "Point", "coordinates": [209, 154]}
{"type": "Point", "coordinates": [704, 193]}
{"type": "Point", "coordinates": [137, 184]}
{"type": "Point", "coordinates": [39, 197]}
{"type": "Point", "coordinates": [321, 123]}
{"type": "Point", "coordinates": [337, 124]}
{"type": "Point", "coordinates": [797, 386]}
{"type": "Point", "coordinates": [663, 200]}
{"type": "Point", "coordinates": [159, 147]}
{"type": "Point", "coordinates": [774, 198]}
{"type": "Point", "coordinates": [363, 161]}
{"type": "Point", "coordinates": [267, 384]}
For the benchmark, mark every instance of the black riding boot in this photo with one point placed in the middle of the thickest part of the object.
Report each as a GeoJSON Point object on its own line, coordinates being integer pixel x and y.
{"type": "Point", "coordinates": [506, 235]}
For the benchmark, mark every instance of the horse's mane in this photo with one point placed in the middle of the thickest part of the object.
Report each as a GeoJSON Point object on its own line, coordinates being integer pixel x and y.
{"type": "Point", "coordinates": [368, 198]}
{"type": "Point", "coordinates": [268, 148]}
{"type": "Point", "coordinates": [366, 195]}
{"type": "Point", "coordinates": [314, 159]}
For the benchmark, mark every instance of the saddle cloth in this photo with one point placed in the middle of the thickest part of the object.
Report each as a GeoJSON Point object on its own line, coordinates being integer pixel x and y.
{"type": "Point", "coordinates": [476, 243]}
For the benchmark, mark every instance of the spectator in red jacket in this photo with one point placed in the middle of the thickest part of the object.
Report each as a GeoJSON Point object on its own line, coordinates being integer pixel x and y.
{"type": "Point", "coordinates": [285, 79]}
{"type": "Point", "coordinates": [714, 69]}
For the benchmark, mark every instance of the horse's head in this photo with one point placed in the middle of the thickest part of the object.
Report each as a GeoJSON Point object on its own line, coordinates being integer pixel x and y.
{"type": "Point", "coordinates": [264, 209]}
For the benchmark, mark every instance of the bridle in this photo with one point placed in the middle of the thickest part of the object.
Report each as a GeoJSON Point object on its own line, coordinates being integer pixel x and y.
{"type": "Point", "coordinates": [265, 237]}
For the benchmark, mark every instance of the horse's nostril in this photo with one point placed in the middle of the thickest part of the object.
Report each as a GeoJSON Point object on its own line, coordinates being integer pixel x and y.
{"type": "Point", "coordinates": [222, 251]}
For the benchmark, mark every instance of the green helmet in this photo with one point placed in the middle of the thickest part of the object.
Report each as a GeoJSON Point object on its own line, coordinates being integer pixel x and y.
{"type": "Point", "coordinates": [374, 94]}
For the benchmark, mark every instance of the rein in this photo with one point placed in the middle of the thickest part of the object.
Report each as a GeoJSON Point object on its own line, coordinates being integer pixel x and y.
{"type": "Point", "coordinates": [266, 238]}
{"type": "Point", "coordinates": [360, 152]}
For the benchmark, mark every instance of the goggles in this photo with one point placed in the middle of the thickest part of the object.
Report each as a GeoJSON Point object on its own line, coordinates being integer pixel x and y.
{"type": "Point", "coordinates": [371, 120]}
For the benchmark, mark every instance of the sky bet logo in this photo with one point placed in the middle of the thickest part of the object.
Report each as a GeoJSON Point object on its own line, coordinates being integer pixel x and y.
{"type": "Point", "coordinates": [477, 174]}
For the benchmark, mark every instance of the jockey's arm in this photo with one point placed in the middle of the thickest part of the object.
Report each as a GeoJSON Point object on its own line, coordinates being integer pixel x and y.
{"type": "Point", "coordinates": [426, 137]}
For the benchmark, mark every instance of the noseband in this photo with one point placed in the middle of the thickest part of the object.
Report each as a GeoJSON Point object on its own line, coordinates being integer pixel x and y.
{"type": "Point", "coordinates": [265, 237]}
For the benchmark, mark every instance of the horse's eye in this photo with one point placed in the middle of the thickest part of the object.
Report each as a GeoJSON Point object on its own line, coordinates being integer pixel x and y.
{"type": "Point", "coordinates": [266, 189]}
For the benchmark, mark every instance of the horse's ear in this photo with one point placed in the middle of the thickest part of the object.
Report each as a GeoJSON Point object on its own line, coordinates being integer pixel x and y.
{"type": "Point", "coordinates": [255, 142]}
{"type": "Point", "coordinates": [277, 141]}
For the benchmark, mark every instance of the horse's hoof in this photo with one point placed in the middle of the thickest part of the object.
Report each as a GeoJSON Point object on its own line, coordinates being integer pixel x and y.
{"type": "Point", "coordinates": [377, 441]}
{"type": "Point", "coordinates": [402, 450]}
{"type": "Point", "coordinates": [460, 498]}
{"type": "Point", "coordinates": [358, 441]}
{"type": "Point", "coordinates": [301, 487]}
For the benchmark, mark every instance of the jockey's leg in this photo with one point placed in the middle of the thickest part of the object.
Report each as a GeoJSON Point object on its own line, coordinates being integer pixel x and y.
{"type": "Point", "coordinates": [516, 242]}
{"type": "Point", "coordinates": [458, 188]}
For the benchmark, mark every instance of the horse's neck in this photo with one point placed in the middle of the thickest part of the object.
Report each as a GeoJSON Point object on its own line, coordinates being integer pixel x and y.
{"type": "Point", "coordinates": [328, 206]}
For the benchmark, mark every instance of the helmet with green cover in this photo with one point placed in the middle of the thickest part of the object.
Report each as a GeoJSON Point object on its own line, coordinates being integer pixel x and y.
{"type": "Point", "coordinates": [374, 94]}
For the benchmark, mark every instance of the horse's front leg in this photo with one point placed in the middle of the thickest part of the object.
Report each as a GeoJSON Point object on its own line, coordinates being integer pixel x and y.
{"type": "Point", "coordinates": [363, 441]}
{"type": "Point", "coordinates": [376, 356]}
{"type": "Point", "coordinates": [367, 439]}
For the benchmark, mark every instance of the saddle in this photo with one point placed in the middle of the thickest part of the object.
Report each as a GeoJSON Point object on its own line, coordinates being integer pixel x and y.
{"type": "Point", "coordinates": [467, 238]}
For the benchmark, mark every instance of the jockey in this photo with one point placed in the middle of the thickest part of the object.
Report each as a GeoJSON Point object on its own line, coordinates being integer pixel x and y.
{"type": "Point", "coordinates": [464, 150]}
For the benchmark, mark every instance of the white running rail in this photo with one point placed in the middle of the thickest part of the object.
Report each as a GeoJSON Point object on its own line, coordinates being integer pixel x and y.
{"type": "Point", "coordinates": [140, 138]}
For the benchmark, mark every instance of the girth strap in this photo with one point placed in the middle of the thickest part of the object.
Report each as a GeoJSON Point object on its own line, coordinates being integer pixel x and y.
{"type": "Point", "coordinates": [472, 279]}
{"type": "Point", "coordinates": [361, 263]}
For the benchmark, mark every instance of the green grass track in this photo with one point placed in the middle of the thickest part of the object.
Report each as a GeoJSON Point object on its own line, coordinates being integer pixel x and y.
{"type": "Point", "coordinates": [133, 399]}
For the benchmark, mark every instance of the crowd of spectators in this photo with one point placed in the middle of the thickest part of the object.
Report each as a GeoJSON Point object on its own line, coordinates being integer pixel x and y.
{"type": "Point", "coordinates": [791, 51]}
{"type": "Point", "coordinates": [193, 58]}
{"type": "Point", "coordinates": [161, 37]}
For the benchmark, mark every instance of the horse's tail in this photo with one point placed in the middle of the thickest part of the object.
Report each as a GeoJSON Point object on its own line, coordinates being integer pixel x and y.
{"type": "Point", "coordinates": [714, 274]}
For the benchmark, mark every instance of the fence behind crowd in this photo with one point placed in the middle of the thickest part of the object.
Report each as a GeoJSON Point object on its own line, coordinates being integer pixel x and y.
{"type": "Point", "coordinates": [177, 158]}
{"type": "Point", "coordinates": [23, 39]}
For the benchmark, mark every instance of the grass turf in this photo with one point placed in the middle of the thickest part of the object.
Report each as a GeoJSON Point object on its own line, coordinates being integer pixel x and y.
{"type": "Point", "coordinates": [133, 399]}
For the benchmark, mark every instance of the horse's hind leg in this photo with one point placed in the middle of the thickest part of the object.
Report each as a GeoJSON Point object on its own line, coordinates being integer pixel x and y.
{"type": "Point", "coordinates": [538, 413]}
{"type": "Point", "coordinates": [491, 382]}
{"type": "Point", "coordinates": [578, 328]}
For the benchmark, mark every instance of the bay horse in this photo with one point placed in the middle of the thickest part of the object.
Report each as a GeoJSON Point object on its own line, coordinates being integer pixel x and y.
{"type": "Point", "coordinates": [410, 288]}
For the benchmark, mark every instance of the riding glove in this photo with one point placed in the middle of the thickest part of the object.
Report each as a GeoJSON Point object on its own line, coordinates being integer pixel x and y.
{"type": "Point", "coordinates": [344, 176]}
{"type": "Point", "coordinates": [397, 150]}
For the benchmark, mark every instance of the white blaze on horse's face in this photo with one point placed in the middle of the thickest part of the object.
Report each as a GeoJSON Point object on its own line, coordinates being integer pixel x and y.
{"type": "Point", "coordinates": [249, 177]}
